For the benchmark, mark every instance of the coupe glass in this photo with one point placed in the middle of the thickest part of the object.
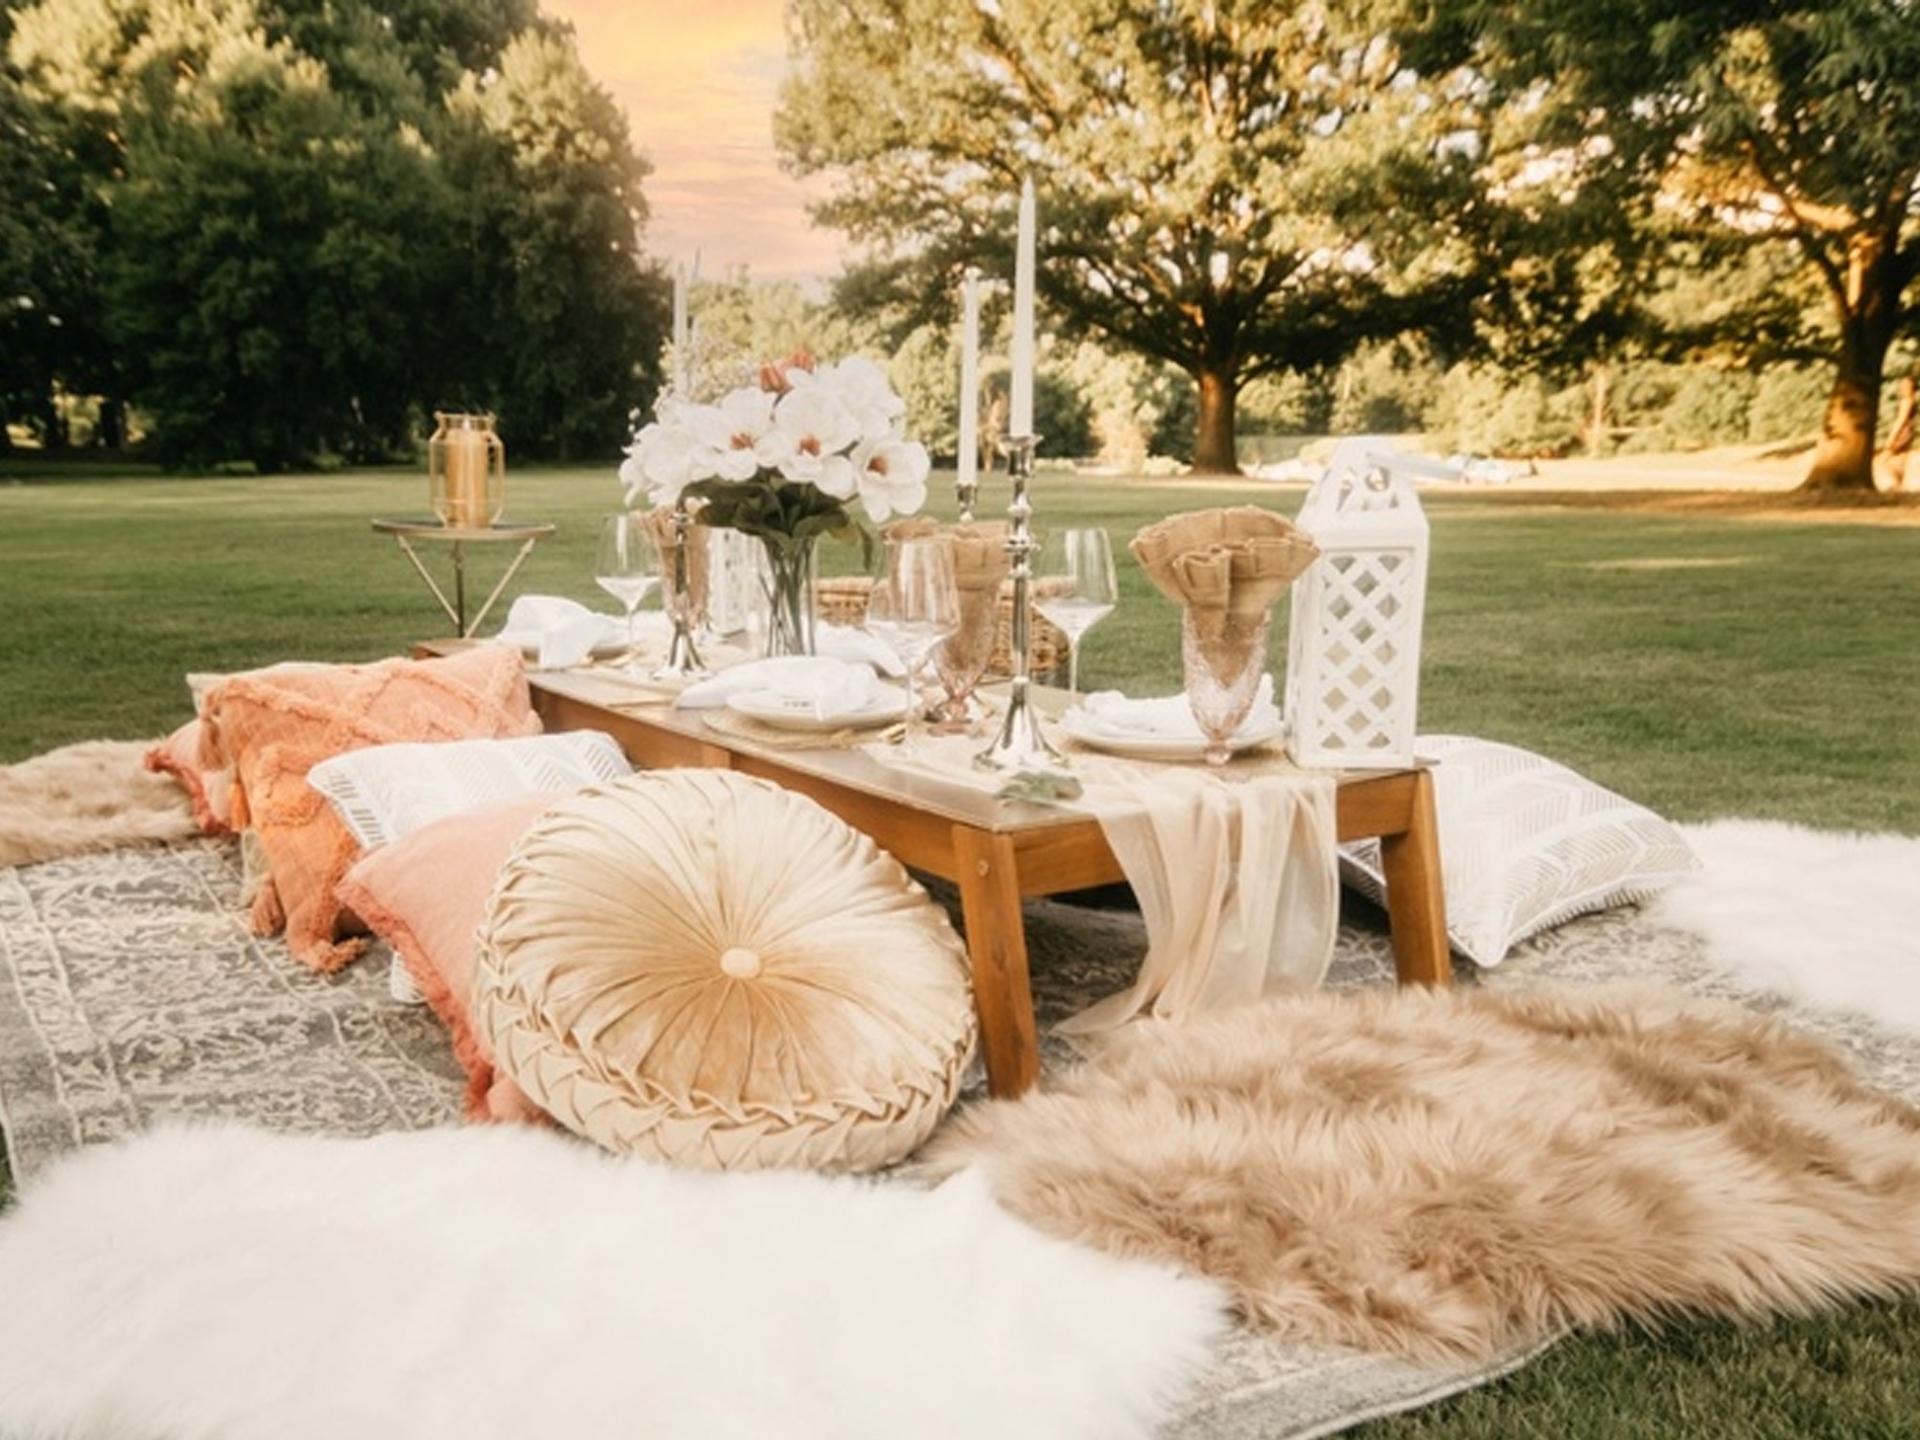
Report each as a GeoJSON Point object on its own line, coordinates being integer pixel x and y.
{"type": "Point", "coordinates": [628, 568]}
{"type": "Point", "coordinates": [913, 608]}
{"type": "Point", "coordinates": [1075, 587]}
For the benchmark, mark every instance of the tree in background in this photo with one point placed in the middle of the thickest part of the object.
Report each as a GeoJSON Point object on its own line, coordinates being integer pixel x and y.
{"type": "Point", "coordinates": [308, 222]}
{"type": "Point", "coordinates": [566, 339]}
{"type": "Point", "coordinates": [1753, 121]}
{"type": "Point", "coordinates": [1232, 186]}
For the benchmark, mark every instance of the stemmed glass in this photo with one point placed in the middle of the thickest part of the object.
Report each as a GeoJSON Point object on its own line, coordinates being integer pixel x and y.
{"type": "Point", "coordinates": [914, 606]}
{"type": "Point", "coordinates": [1075, 587]}
{"type": "Point", "coordinates": [627, 569]}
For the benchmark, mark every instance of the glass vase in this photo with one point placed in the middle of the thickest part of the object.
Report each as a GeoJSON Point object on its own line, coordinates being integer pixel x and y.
{"type": "Point", "coordinates": [788, 585]}
{"type": "Point", "coordinates": [1223, 656]}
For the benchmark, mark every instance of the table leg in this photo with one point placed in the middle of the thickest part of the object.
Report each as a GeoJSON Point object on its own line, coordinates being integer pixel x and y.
{"type": "Point", "coordinates": [480, 615]}
{"type": "Point", "coordinates": [1416, 893]}
{"type": "Point", "coordinates": [460, 590]}
{"type": "Point", "coordinates": [997, 949]}
{"type": "Point", "coordinates": [432, 584]}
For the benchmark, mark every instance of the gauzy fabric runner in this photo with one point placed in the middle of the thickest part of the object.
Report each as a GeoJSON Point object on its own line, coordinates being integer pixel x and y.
{"type": "Point", "coordinates": [1237, 882]}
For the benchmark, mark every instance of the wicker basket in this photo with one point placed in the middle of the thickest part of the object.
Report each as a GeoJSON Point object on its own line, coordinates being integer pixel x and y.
{"type": "Point", "coordinates": [843, 601]}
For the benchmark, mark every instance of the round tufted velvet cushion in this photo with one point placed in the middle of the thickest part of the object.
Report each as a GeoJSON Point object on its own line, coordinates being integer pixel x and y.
{"type": "Point", "coordinates": [705, 968]}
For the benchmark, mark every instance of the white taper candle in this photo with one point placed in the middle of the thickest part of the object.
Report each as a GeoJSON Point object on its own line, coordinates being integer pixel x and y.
{"type": "Point", "coordinates": [968, 460]}
{"type": "Point", "coordinates": [682, 349]}
{"type": "Point", "coordinates": [1020, 420]}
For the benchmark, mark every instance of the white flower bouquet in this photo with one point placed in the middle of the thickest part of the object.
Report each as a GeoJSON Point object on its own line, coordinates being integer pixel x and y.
{"type": "Point", "coordinates": [782, 460]}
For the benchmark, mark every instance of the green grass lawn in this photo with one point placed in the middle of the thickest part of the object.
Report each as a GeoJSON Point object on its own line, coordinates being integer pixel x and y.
{"type": "Point", "coordinates": [1704, 665]}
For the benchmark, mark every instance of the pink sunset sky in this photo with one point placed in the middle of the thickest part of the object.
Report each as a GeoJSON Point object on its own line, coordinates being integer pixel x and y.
{"type": "Point", "coordinates": [698, 80]}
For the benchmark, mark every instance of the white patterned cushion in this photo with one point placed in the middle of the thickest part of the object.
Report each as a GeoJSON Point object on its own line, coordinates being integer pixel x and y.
{"type": "Point", "coordinates": [1527, 844]}
{"type": "Point", "coordinates": [386, 791]}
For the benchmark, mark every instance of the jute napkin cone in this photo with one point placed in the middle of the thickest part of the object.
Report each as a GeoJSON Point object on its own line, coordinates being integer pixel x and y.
{"type": "Point", "coordinates": [659, 523]}
{"type": "Point", "coordinates": [979, 566]}
{"type": "Point", "coordinates": [1225, 568]}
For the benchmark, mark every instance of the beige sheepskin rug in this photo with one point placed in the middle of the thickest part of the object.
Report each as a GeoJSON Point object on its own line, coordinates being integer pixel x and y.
{"type": "Point", "coordinates": [93, 796]}
{"type": "Point", "coordinates": [1444, 1173]}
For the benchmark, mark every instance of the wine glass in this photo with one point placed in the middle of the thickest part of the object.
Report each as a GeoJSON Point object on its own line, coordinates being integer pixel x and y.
{"type": "Point", "coordinates": [1075, 587]}
{"type": "Point", "coordinates": [628, 567]}
{"type": "Point", "coordinates": [913, 608]}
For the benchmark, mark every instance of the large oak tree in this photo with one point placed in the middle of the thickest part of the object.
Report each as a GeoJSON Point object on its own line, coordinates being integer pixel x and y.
{"type": "Point", "coordinates": [1752, 121]}
{"type": "Point", "coordinates": [1234, 186]}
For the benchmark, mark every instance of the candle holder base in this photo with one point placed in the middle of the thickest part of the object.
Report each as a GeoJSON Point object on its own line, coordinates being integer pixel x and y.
{"type": "Point", "coordinates": [1021, 744]}
{"type": "Point", "coordinates": [683, 660]}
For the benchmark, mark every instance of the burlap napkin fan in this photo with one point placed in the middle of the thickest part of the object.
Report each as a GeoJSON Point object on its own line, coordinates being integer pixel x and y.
{"type": "Point", "coordinates": [1225, 568]}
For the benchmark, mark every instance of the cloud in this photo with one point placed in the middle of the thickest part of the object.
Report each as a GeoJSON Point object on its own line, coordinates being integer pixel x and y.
{"type": "Point", "coordinates": [699, 80]}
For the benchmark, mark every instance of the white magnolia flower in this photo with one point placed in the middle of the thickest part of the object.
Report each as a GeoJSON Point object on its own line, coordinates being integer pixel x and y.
{"type": "Point", "coordinates": [817, 430]}
{"type": "Point", "coordinates": [892, 476]}
{"type": "Point", "coordinates": [668, 457]}
{"type": "Point", "coordinates": [863, 389]}
{"type": "Point", "coordinates": [738, 435]}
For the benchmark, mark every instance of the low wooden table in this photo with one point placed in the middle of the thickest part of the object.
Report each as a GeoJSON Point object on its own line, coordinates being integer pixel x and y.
{"type": "Point", "coordinates": [997, 851]}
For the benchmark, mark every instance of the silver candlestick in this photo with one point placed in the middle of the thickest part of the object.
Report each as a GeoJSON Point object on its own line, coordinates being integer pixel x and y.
{"type": "Point", "coordinates": [1021, 745]}
{"type": "Point", "coordinates": [683, 661]}
{"type": "Point", "coordinates": [965, 494]}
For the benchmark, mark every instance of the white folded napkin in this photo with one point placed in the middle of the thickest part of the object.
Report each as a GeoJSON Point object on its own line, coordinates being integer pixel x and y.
{"type": "Point", "coordinates": [844, 642]}
{"type": "Point", "coordinates": [827, 686]}
{"type": "Point", "coordinates": [1169, 716]}
{"type": "Point", "coordinates": [560, 633]}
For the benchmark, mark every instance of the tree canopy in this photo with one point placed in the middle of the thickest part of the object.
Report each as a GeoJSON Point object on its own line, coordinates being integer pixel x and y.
{"type": "Point", "coordinates": [287, 229]}
{"type": "Point", "coordinates": [1233, 186]}
{"type": "Point", "coordinates": [1747, 123]}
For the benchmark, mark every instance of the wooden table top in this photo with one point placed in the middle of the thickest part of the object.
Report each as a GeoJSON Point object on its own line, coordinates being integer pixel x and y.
{"type": "Point", "coordinates": [954, 799]}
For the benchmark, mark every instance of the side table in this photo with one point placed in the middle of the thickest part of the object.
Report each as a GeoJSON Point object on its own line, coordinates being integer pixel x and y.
{"type": "Point", "coordinates": [407, 533]}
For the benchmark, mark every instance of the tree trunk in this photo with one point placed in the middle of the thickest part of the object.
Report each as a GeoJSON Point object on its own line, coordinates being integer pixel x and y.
{"type": "Point", "coordinates": [1844, 460]}
{"type": "Point", "coordinates": [1869, 315]}
{"type": "Point", "coordinates": [111, 434]}
{"type": "Point", "coordinates": [1890, 466]}
{"type": "Point", "coordinates": [1599, 416]}
{"type": "Point", "coordinates": [1213, 440]}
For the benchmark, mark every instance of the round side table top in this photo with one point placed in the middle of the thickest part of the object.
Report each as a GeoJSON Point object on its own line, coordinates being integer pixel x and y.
{"type": "Point", "coordinates": [434, 530]}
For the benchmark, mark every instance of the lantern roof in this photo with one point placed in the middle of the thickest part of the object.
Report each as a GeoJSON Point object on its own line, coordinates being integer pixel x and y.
{"type": "Point", "coordinates": [1367, 493]}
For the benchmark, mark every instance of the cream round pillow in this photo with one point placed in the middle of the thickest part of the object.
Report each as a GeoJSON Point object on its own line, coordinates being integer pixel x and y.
{"type": "Point", "coordinates": [705, 968]}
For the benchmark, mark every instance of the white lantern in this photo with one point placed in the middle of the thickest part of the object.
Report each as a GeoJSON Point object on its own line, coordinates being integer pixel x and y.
{"type": "Point", "coordinates": [1353, 645]}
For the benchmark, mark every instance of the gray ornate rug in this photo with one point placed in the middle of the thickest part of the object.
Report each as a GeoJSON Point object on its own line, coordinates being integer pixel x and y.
{"type": "Point", "coordinates": [130, 989]}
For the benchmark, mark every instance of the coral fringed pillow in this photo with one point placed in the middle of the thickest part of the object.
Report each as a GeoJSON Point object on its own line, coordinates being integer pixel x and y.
{"type": "Point", "coordinates": [700, 967]}
{"type": "Point", "coordinates": [211, 791]}
{"type": "Point", "coordinates": [271, 728]}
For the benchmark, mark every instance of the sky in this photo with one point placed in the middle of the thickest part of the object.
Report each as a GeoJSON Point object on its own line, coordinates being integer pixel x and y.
{"type": "Point", "coordinates": [698, 80]}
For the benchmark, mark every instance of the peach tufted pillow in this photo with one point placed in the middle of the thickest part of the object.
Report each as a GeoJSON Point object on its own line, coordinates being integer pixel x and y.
{"type": "Point", "coordinates": [272, 727]}
{"type": "Point", "coordinates": [701, 967]}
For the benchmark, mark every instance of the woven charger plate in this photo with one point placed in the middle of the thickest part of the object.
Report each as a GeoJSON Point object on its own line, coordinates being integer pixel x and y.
{"type": "Point", "coordinates": [704, 968]}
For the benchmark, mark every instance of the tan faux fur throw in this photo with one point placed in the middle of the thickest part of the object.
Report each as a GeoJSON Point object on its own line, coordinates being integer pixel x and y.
{"type": "Point", "coordinates": [1443, 1173]}
{"type": "Point", "coordinates": [93, 796]}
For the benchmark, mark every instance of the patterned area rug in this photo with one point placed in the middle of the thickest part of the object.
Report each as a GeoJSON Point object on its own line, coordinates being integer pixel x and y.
{"type": "Point", "coordinates": [130, 989]}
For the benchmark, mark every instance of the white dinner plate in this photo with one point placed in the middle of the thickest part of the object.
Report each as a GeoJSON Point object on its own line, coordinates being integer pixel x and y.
{"type": "Point", "coordinates": [1088, 731]}
{"type": "Point", "coordinates": [791, 712]}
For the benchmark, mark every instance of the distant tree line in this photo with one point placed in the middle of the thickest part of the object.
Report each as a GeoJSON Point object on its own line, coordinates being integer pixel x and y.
{"type": "Point", "coordinates": [281, 232]}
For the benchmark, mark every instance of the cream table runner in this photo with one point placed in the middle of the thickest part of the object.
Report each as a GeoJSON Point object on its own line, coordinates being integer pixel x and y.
{"type": "Point", "coordinates": [1235, 870]}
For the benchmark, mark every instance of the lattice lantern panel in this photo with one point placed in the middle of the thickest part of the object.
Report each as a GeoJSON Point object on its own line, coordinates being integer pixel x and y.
{"type": "Point", "coordinates": [1353, 648]}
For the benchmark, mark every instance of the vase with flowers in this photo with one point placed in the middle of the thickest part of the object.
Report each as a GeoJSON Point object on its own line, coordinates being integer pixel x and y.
{"type": "Point", "coordinates": [783, 459]}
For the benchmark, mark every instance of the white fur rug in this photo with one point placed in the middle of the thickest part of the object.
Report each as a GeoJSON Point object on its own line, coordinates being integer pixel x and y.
{"type": "Point", "coordinates": [1822, 918]}
{"type": "Point", "coordinates": [222, 1283]}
